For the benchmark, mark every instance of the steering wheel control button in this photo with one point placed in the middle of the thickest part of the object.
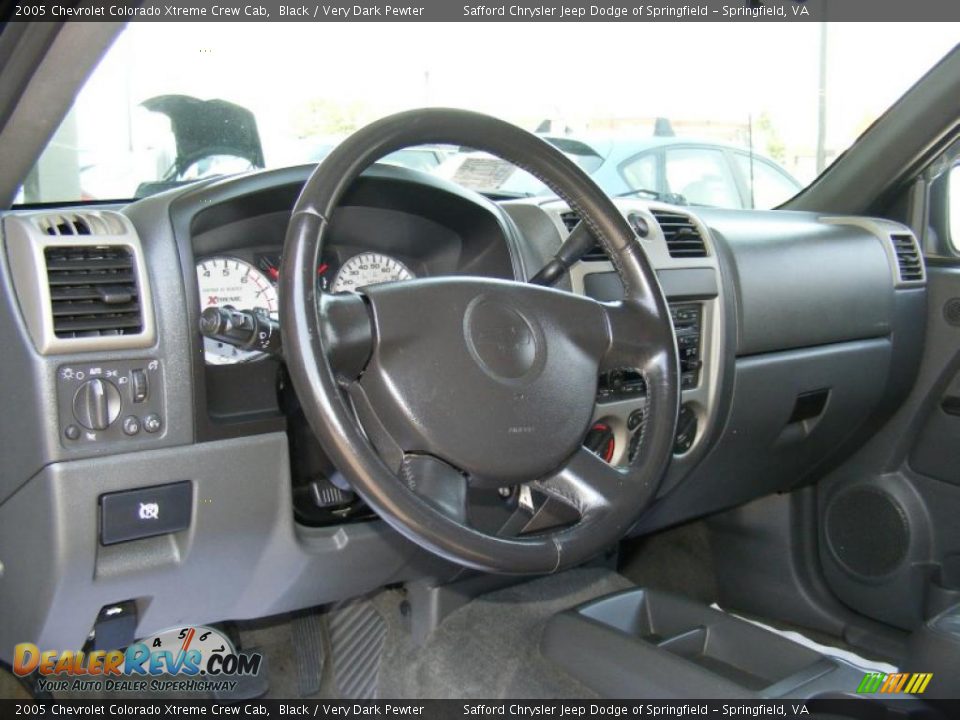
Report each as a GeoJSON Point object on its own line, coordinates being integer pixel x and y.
{"type": "Point", "coordinates": [97, 404]}
{"type": "Point", "coordinates": [501, 340]}
{"type": "Point", "coordinates": [138, 385]}
{"type": "Point", "coordinates": [635, 420]}
{"type": "Point", "coordinates": [146, 512]}
{"type": "Point", "coordinates": [152, 423]}
{"type": "Point", "coordinates": [131, 425]}
{"type": "Point", "coordinates": [71, 432]}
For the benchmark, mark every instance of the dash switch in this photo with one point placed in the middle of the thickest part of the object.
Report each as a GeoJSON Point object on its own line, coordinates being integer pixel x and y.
{"type": "Point", "coordinates": [142, 513]}
{"type": "Point", "coordinates": [138, 385]}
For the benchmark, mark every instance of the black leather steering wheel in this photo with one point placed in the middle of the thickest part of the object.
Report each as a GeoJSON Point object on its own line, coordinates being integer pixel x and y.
{"type": "Point", "coordinates": [418, 389]}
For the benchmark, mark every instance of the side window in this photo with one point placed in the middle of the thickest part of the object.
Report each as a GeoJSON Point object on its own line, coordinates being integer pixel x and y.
{"type": "Point", "coordinates": [953, 207]}
{"type": "Point", "coordinates": [641, 172]}
{"type": "Point", "coordinates": [702, 176]}
{"type": "Point", "coordinates": [771, 187]}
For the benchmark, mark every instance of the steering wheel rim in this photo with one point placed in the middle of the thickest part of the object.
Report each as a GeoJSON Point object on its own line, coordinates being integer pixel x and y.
{"type": "Point", "coordinates": [342, 364]}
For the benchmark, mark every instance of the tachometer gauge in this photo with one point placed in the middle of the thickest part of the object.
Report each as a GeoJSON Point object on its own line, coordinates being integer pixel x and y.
{"type": "Point", "coordinates": [228, 281]}
{"type": "Point", "coordinates": [369, 269]}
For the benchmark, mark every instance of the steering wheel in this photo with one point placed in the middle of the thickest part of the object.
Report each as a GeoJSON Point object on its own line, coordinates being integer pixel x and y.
{"type": "Point", "coordinates": [418, 390]}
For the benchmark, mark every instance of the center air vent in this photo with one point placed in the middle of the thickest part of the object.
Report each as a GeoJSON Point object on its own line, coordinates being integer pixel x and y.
{"type": "Point", "coordinates": [681, 235]}
{"type": "Point", "coordinates": [908, 257]}
{"type": "Point", "coordinates": [93, 289]}
{"type": "Point", "coordinates": [595, 254]}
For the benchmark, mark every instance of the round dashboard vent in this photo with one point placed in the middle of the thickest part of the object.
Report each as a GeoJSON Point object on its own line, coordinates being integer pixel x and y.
{"type": "Point", "coordinates": [867, 531]}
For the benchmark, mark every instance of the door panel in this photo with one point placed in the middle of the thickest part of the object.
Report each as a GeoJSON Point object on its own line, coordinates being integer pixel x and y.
{"type": "Point", "coordinates": [889, 530]}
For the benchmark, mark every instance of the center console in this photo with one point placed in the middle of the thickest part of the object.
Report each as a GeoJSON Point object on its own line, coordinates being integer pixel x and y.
{"type": "Point", "coordinates": [645, 643]}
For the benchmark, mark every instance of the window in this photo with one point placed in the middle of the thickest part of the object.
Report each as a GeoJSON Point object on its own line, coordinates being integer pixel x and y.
{"type": "Point", "coordinates": [702, 177]}
{"type": "Point", "coordinates": [232, 97]}
{"type": "Point", "coordinates": [641, 172]}
{"type": "Point", "coordinates": [770, 187]}
{"type": "Point", "coordinates": [953, 208]}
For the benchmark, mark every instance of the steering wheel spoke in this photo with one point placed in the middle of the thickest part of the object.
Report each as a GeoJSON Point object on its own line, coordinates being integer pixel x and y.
{"type": "Point", "coordinates": [347, 334]}
{"type": "Point", "coordinates": [636, 336]}
{"type": "Point", "coordinates": [439, 484]}
{"type": "Point", "coordinates": [586, 483]}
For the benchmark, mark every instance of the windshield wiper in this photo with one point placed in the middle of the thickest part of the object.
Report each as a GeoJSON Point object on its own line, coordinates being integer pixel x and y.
{"type": "Point", "coordinates": [672, 198]}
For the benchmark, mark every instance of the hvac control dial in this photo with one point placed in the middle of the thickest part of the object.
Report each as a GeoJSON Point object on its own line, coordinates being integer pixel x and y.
{"type": "Point", "coordinates": [97, 404]}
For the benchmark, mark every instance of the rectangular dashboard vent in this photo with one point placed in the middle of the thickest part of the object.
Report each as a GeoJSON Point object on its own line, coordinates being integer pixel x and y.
{"type": "Point", "coordinates": [72, 224]}
{"type": "Point", "coordinates": [93, 290]}
{"type": "Point", "coordinates": [596, 254]}
{"type": "Point", "coordinates": [681, 235]}
{"type": "Point", "coordinates": [908, 257]}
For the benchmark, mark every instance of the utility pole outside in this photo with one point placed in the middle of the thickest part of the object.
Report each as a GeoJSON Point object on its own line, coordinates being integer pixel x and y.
{"type": "Point", "coordinates": [822, 102]}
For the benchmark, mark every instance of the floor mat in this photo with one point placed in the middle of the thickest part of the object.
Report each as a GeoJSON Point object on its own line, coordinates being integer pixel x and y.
{"type": "Point", "coordinates": [490, 647]}
{"type": "Point", "coordinates": [11, 688]}
{"type": "Point", "coordinates": [678, 560]}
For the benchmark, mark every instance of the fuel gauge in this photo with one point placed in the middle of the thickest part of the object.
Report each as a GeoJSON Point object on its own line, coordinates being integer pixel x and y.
{"type": "Point", "coordinates": [269, 265]}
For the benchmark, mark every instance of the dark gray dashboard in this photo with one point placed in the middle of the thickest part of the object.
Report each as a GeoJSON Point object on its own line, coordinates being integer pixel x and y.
{"type": "Point", "coordinates": [808, 332]}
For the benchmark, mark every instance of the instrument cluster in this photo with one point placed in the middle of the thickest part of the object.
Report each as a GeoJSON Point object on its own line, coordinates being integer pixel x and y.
{"type": "Point", "coordinates": [251, 284]}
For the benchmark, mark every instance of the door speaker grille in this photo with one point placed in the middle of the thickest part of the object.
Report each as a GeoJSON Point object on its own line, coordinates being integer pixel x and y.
{"type": "Point", "coordinates": [867, 531]}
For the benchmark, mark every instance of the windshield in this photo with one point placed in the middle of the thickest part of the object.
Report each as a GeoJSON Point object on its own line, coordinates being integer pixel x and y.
{"type": "Point", "coordinates": [746, 121]}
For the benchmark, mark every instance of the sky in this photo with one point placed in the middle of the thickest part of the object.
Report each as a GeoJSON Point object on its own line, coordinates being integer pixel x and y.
{"type": "Point", "coordinates": [524, 72]}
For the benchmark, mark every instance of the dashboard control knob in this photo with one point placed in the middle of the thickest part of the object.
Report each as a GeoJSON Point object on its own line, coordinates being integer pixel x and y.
{"type": "Point", "coordinates": [131, 425]}
{"type": "Point", "coordinates": [600, 441]}
{"type": "Point", "coordinates": [152, 423]}
{"type": "Point", "coordinates": [97, 404]}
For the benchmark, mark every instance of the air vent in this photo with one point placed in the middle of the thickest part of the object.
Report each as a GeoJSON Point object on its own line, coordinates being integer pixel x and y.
{"type": "Point", "coordinates": [908, 257]}
{"type": "Point", "coordinates": [93, 289]}
{"type": "Point", "coordinates": [72, 224]}
{"type": "Point", "coordinates": [682, 236]}
{"type": "Point", "coordinates": [596, 254]}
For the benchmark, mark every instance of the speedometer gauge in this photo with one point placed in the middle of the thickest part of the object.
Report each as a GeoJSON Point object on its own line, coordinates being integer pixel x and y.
{"type": "Point", "coordinates": [369, 269]}
{"type": "Point", "coordinates": [228, 281]}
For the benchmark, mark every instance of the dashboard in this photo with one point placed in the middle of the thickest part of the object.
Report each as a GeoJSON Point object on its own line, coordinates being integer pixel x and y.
{"type": "Point", "coordinates": [788, 327]}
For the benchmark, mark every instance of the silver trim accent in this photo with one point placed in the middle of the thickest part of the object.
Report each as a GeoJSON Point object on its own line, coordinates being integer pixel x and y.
{"type": "Point", "coordinates": [25, 240]}
{"type": "Point", "coordinates": [702, 398]}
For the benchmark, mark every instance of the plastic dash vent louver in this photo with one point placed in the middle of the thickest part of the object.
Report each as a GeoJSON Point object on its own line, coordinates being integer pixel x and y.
{"type": "Point", "coordinates": [68, 224]}
{"type": "Point", "coordinates": [596, 254]}
{"type": "Point", "coordinates": [908, 257]}
{"type": "Point", "coordinates": [681, 235]}
{"type": "Point", "coordinates": [93, 290]}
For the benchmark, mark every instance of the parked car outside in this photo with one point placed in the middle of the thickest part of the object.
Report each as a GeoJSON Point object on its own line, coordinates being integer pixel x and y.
{"type": "Point", "coordinates": [678, 169]}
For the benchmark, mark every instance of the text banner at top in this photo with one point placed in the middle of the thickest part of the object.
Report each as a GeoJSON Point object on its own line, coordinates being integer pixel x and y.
{"type": "Point", "coordinates": [489, 11]}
